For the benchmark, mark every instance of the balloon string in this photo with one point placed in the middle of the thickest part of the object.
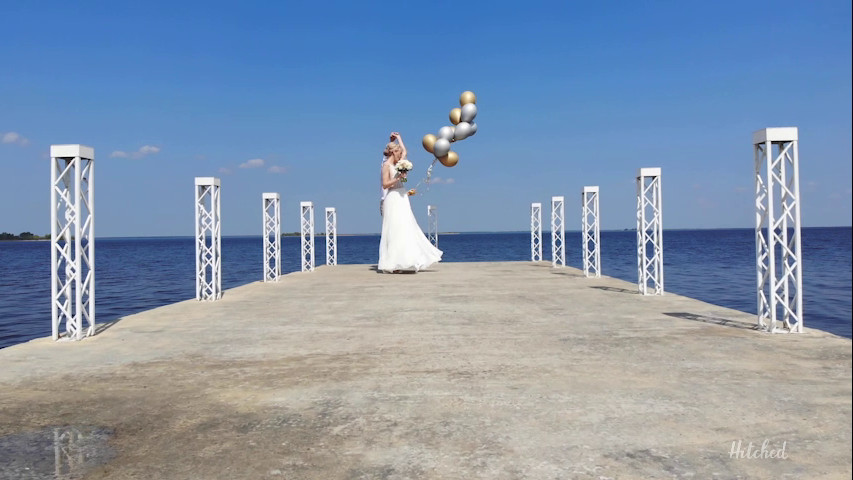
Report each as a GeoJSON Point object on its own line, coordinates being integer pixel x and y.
{"type": "Point", "coordinates": [428, 176]}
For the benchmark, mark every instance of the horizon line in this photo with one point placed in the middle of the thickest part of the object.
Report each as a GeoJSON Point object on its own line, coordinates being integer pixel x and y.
{"type": "Point", "coordinates": [468, 232]}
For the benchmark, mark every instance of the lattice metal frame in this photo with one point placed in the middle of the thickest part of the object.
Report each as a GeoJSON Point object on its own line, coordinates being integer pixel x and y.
{"type": "Point", "coordinates": [535, 232]}
{"type": "Point", "coordinates": [72, 240]}
{"type": "Point", "coordinates": [272, 236]}
{"type": "Point", "coordinates": [591, 247]}
{"type": "Point", "coordinates": [778, 253]}
{"type": "Point", "coordinates": [432, 225]}
{"type": "Point", "coordinates": [307, 235]}
{"type": "Point", "coordinates": [331, 236]}
{"type": "Point", "coordinates": [558, 232]}
{"type": "Point", "coordinates": [208, 239]}
{"type": "Point", "coordinates": [649, 232]}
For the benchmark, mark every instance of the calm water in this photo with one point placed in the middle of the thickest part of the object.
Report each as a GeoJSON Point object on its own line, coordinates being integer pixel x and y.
{"type": "Point", "coordinates": [135, 274]}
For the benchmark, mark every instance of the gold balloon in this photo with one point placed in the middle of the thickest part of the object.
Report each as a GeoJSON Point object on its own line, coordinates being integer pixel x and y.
{"type": "Point", "coordinates": [429, 142]}
{"type": "Point", "coordinates": [449, 160]}
{"type": "Point", "coordinates": [467, 97]}
{"type": "Point", "coordinates": [455, 115]}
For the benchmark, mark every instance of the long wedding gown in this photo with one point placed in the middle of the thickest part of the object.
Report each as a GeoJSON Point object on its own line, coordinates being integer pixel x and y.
{"type": "Point", "coordinates": [403, 245]}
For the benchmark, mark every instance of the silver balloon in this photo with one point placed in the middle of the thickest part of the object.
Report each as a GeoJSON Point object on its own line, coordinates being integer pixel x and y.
{"type": "Point", "coordinates": [469, 111]}
{"type": "Point", "coordinates": [463, 131]}
{"type": "Point", "coordinates": [441, 147]}
{"type": "Point", "coordinates": [446, 133]}
{"type": "Point", "coordinates": [473, 129]}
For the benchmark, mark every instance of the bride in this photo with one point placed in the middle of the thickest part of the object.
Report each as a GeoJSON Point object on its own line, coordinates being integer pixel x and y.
{"type": "Point", "coordinates": [403, 245]}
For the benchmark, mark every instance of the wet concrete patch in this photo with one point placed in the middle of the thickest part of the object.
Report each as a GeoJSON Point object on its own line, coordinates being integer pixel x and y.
{"type": "Point", "coordinates": [55, 453]}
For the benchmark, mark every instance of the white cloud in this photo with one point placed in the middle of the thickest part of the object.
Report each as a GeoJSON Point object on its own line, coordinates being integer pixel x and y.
{"type": "Point", "coordinates": [439, 180]}
{"type": "Point", "coordinates": [225, 171]}
{"type": "Point", "coordinates": [148, 150]}
{"type": "Point", "coordinates": [277, 169]}
{"type": "Point", "coordinates": [706, 203]}
{"type": "Point", "coordinates": [811, 186]}
{"type": "Point", "coordinates": [15, 138]}
{"type": "Point", "coordinates": [142, 152]}
{"type": "Point", "coordinates": [253, 163]}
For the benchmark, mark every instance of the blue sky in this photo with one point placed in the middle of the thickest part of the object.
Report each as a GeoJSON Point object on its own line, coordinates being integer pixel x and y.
{"type": "Point", "coordinates": [569, 94]}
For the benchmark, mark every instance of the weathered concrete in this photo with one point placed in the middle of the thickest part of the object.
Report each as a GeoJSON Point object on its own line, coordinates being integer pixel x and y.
{"type": "Point", "coordinates": [488, 370]}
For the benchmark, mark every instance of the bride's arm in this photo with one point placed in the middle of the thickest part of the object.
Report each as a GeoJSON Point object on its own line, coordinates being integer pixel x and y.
{"type": "Point", "coordinates": [402, 145]}
{"type": "Point", "coordinates": [388, 180]}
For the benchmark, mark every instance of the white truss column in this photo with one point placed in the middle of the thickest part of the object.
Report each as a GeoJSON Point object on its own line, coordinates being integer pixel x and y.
{"type": "Point", "coordinates": [591, 247]}
{"type": "Point", "coordinates": [778, 253]}
{"type": "Point", "coordinates": [331, 236]}
{"type": "Point", "coordinates": [272, 236]}
{"type": "Point", "coordinates": [432, 225]}
{"type": "Point", "coordinates": [208, 239]}
{"type": "Point", "coordinates": [558, 232]}
{"type": "Point", "coordinates": [535, 232]}
{"type": "Point", "coordinates": [307, 235]}
{"type": "Point", "coordinates": [72, 240]}
{"type": "Point", "coordinates": [649, 232]}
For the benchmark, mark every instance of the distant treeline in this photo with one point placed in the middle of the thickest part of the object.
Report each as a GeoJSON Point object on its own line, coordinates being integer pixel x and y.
{"type": "Point", "coordinates": [298, 234]}
{"type": "Point", "coordinates": [23, 236]}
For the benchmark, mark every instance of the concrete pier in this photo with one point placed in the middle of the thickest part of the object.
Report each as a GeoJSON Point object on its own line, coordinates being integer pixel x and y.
{"type": "Point", "coordinates": [507, 370]}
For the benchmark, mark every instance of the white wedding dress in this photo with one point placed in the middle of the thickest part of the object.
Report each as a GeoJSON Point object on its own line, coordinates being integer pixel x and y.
{"type": "Point", "coordinates": [403, 245]}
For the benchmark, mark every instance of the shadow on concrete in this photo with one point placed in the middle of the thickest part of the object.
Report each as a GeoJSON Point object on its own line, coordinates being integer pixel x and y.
{"type": "Point", "coordinates": [614, 289]}
{"type": "Point", "coordinates": [715, 320]}
{"type": "Point", "coordinates": [541, 263]}
{"type": "Point", "coordinates": [103, 327]}
{"type": "Point", "coordinates": [375, 268]}
{"type": "Point", "coordinates": [567, 273]}
{"type": "Point", "coordinates": [113, 320]}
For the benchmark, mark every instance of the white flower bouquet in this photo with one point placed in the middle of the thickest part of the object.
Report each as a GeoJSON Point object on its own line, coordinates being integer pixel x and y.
{"type": "Point", "coordinates": [403, 167]}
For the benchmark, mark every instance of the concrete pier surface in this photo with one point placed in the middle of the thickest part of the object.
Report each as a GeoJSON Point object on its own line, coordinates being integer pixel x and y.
{"type": "Point", "coordinates": [508, 370]}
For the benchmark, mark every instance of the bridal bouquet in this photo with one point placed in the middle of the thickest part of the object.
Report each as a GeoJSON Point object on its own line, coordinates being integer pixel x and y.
{"type": "Point", "coordinates": [403, 167]}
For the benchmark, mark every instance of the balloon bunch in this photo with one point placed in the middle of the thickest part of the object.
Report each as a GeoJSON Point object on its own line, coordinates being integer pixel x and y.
{"type": "Point", "coordinates": [462, 128]}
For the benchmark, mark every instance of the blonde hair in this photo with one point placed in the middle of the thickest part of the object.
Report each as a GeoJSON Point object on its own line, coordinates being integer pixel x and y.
{"type": "Point", "coordinates": [390, 148]}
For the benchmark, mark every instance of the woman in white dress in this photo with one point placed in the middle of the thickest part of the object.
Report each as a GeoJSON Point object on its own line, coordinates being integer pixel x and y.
{"type": "Point", "coordinates": [403, 245]}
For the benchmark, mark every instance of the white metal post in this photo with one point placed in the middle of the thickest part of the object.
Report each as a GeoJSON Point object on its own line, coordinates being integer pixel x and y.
{"type": "Point", "coordinates": [432, 225]}
{"type": "Point", "coordinates": [331, 236]}
{"type": "Point", "coordinates": [272, 236]}
{"type": "Point", "coordinates": [535, 232]}
{"type": "Point", "coordinates": [591, 247]}
{"type": "Point", "coordinates": [778, 253]}
{"type": "Point", "coordinates": [649, 232]}
{"type": "Point", "coordinates": [307, 235]}
{"type": "Point", "coordinates": [72, 240]}
{"type": "Point", "coordinates": [558, 233]}
{"type": "Point", "coordinates": [208, 239]}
